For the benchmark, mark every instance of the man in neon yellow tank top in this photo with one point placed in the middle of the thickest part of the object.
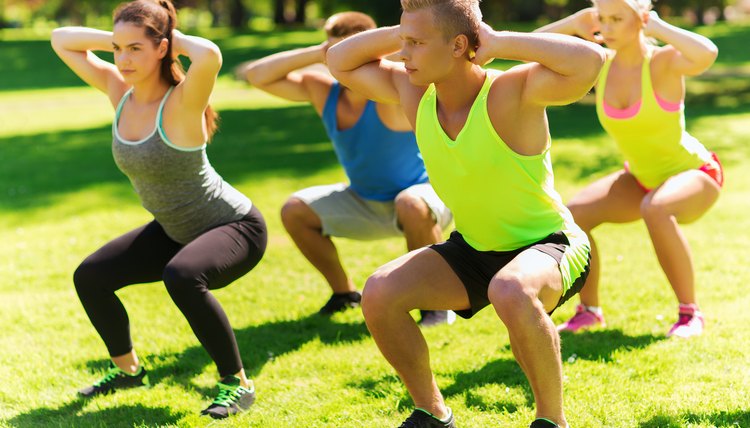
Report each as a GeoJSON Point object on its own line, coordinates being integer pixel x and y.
{"type": "Point", "coordinates": [485, 143]}
{"type": "Point", "coordinates": [669, 177]}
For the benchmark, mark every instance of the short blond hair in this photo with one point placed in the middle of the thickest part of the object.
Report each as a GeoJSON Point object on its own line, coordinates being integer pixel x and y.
{"type": "Point", "coordinates": [346, 24]}
{"type": "Point", "coordinates": [639, 6]}
{"type": "Point", "coordinates": [454, 17]}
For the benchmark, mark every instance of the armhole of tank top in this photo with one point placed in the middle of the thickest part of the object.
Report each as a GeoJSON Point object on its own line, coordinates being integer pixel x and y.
{"type": "Point", "coordinates": [329, 109]}
{"type": "Point", "coordinates": [601, 84]}
{"type": "Point", "coordinates": [421, 105]}
{"type": "Point", "coordinates": [160, 129]}
{"type": "Point", "coordinates": [486, 88]}
{"type": "Point", "coordinates": [116, 122]}
{"type": "Point", "coordinates": [647, 82]}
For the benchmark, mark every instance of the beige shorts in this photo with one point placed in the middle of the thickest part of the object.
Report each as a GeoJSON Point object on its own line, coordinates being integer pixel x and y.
{"type": "Point", "coordinates": [345, 214]}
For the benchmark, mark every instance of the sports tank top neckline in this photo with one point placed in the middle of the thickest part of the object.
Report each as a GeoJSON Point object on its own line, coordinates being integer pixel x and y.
{"type": "Point", "coordinates": [648, 93]}
{"type": "Point", "coordinates": [480, 98]}
{"type": "Point", "coordinates": [653, 141]}
{"type": "Point", "coordinates": [158, 124]}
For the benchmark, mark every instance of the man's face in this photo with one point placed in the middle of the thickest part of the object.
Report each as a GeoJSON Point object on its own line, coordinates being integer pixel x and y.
{"type": "Point", "coordinates": [428, 57]}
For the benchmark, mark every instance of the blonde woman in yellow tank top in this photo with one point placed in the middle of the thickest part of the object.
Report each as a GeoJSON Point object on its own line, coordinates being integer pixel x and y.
{"type": "Point", "coordinates": [669, 177]}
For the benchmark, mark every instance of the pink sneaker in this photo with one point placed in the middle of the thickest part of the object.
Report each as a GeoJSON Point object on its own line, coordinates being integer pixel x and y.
{"type": "Point", "coordinates": [690, 322]}
{"type": "Point", "coordinates": [582, 320]}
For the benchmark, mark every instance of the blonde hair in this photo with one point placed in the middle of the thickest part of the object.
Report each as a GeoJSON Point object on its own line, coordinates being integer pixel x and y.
{"type": "Point", "coordinates": [454, 17]}
{"type": "Point", "coordinates": [639, 6]}
{"type": "Point", "coordinates": [346, 24]}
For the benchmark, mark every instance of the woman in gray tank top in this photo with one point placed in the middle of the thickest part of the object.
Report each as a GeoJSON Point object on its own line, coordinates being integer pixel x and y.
{"type": "Point", "coordinates": [205, 234]}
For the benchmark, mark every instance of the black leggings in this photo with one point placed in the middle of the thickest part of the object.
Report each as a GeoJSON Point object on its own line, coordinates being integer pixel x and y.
{"type": "Point", "coordinates": [211, 261]}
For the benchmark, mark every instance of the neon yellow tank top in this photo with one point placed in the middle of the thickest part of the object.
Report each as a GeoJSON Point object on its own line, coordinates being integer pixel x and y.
{"type": "Point", "coordinates": [500, 200]}
{"type": "Point", "coordinates": [654, 141]}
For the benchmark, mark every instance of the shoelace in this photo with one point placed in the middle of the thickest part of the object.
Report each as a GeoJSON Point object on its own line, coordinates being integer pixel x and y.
{"type": "Point", "coordinates": [581, 314]}
{"type": "Point", "coordinates": [109, 377]}
{"type": "Point", "coordinates": [228, 395]}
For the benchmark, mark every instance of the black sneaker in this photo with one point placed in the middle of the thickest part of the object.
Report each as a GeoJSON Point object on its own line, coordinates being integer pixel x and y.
{"type": "Point", "coordinates": [433, 318]}
{"type": "Point", "coordinates": [340, 302]}
{"type": "Point", "coordinates": [543, 423]}
{"type": "Point", "coordinates": [420, 418]}
{"type": "Point", "coordinates": [232, 398]}
{"type": "Point", "coordinates": [115, 379]}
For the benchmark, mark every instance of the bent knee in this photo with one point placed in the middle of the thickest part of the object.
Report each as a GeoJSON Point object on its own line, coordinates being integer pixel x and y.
{"type": "Point", "coordinates": [179, 278]}
{"type": "Point", "coordinates": [297, 212]}
{"type": "Point", "coordinates": [86, 276]}
{"type": "Point", "coordinates": [508, 294]}
{"type": "Point", "coordinates": [584, 216]}
{"type": "Point", "coordinates": [411, 208]}
{"type": "Point", "coordinates": [378, 294]}
{"type": "Point", "coordinates": [654, 211]}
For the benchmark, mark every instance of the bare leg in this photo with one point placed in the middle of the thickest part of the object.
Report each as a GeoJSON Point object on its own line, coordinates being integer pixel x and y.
{"type": "Point", "coordinates": [522, 293]}
{"type": "Point", "coordinates": [244, 381]}
{"type": "Point", "coordinates": [615, 198]}
{"type": "Point", "coordinates": [683, 198]}
{"type": "Point", "coordinates": [419, 279]}
{"type": "Point", "coordinates": [128, 362]}
{"type": "Point", "coordinates": [304, 226]}
{"type": "Point", "coordinates": [415, 217]}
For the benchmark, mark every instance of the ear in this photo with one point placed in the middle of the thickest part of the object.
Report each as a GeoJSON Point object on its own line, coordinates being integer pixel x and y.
{"type": "Point", "coordinates": [644, 17]}
{"type": "Point", "coordinates": [460, 46]}
{"type": "Point", "coordinates": [162, 48]}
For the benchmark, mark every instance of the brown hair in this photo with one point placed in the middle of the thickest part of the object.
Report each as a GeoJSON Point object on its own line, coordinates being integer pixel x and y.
{"type": "Point", "coordinates": [158, 18]}
{"type": "Point", "coordinates": [453, 17]}
{"type": "Point", "coordinates": [346, 24]}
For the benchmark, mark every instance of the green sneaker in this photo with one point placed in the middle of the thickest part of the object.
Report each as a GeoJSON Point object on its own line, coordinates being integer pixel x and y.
{"type": "Point", "coordinates": [115, 379]}
{"type": "Point", "coordinates": [232, 398]}
{"type": "Point", "coordinates": [421, 418]}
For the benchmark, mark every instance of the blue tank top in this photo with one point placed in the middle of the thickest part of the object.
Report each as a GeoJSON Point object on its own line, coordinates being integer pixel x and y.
{"type": "Point", "coordinates": [379, 162]}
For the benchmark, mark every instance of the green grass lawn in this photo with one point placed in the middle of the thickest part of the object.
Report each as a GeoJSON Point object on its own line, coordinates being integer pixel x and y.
{"type": "Point", "coordinates": [61, 197]}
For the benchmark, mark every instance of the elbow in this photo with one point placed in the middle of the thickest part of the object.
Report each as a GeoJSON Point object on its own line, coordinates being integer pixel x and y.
{"type": "Point", "coordinates": [252, 74]}
{"type": "Point", "coordinates": [712, 54]}
{"type": "Point", "coordinates": [333, 60]}
{"type": "Point", "coordinates": [56, 39]}
{"type": "Point", "coordinates": [595, 61]}
{"type": "Point", "coordinates": [214, 55]}
{"type": "Point", "coordinates": [210, 57]}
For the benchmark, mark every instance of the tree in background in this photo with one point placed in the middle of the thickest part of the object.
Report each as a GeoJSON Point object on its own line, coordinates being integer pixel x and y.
{"type": "Point", "coordinates": [236, 13]}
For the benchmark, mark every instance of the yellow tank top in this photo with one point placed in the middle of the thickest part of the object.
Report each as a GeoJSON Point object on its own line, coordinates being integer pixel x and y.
{"type": "Point", "coordinates": [654, 141]}
{"type": "Point", "coordinates": [500, 200]}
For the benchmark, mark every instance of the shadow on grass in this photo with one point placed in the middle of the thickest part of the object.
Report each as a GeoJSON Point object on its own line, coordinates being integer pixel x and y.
{"type": "Point", "coordinates": [258, 345]}
{"type": "Point", "coordinates": [505, 372]}
{"type": "Point", "coordinates": [734, 419]}
{"type": "Point", "coordinates": [251, 144]}
{"type": "Point", "coordinates": [69, 415]}
{"type": "Point", "coordinates": [594, 346]}
{"type": "Point", "coordinates": [600, 345]}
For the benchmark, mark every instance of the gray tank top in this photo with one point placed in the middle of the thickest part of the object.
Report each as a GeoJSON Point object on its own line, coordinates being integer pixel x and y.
{"type": "Point", "coordinates": [178, 186]}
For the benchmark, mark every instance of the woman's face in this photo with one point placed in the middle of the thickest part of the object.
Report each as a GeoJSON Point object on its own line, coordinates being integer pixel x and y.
{"type": "Point", "coordinates": [619, 24]}
{"type": "Point", "coordinates": [136, 56]}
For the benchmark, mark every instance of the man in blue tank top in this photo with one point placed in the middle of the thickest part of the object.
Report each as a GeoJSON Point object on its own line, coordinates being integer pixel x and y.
{"type": "Point", "coordinates": [388, 192]}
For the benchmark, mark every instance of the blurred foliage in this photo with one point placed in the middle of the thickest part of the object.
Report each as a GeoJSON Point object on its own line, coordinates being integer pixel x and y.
{"type": "Point", "coordinates": [239, 13]}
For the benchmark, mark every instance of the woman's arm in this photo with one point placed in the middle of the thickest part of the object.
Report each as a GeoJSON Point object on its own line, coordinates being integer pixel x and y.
{"type": "Point", "coordinates": [74, 45]}
{"type": "Point", "coordinates": [689, 53]}
{"type": "Point", "coordinates": [583, 23]}
{"type": "Point", "coordinates": [205, 63]}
